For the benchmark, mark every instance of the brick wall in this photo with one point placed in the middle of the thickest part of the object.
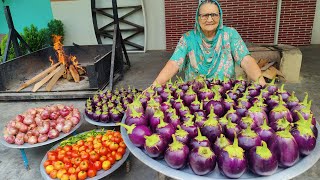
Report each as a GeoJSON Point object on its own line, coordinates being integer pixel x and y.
{"type": "Point", "coordinates": [254, 19]}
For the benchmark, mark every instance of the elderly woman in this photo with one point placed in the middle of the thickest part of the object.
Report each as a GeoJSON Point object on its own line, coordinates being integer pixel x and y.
{"type": "Point", "coordinates": [211, 50]}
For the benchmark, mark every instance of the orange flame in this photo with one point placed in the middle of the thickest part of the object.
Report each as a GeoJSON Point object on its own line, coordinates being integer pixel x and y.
{"type": "Point", "coordinates": [64, 59]}
{"type": "Point", "coordinates": [57, 45]}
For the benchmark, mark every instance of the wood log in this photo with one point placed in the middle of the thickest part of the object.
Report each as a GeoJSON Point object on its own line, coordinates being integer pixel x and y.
{"type": "Point", "coordinates": [55, 78]}
{"type": "Point", "coordinates": [38, 77]}
{"type": "Point", "coordinates": [270, 73]}
{"type": "Point", "coordinates": [262, 62]}
{"type": "Point", "coordinates": [74, 73]}
{"type": "Point", "coordinates": [46, 79]}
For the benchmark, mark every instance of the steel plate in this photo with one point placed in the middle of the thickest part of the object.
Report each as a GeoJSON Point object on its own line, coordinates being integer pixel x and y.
{"type": "Point", "coordinates": [26, 145]}
{"type": "Point", "coordinates": [98, 123]}
{"type": "Point", "coordinates": [161, 166]}
{"type": "Point", "coordinates": [100, 174]}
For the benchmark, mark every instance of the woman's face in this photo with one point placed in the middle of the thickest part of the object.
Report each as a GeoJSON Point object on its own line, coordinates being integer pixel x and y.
{"type": "Point", "coordinates": [209, 17]}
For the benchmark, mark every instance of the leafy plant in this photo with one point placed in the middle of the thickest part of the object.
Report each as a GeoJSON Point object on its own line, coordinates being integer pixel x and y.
{"type": "Point", "coordinates": [36, 39]}
{"type": "Point", "coordinates": [3, 44]}
{"type": "Point", "coordinates": [55, 27]}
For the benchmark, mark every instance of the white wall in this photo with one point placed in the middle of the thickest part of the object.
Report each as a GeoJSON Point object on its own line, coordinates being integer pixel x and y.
{"type": "Point", "coordinates": [155, 17]}
{"type": "Point", "coordinates": [77, 19]}
{"type": "Point", "coordinates": [315, 39]}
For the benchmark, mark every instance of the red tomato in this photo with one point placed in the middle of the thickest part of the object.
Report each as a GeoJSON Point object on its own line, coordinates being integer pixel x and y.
{"type": "Point", "coordinates": [118, 156]}
{"type": "Point", "coordinates": [106, 165]}
{"type": "Point", "coordinates": [74, 154]}
{"type": "Point", "coordinates": [85, 156]}
{"type": "Point", "coordinates": [99, 136]}
{"type": "Point", "coordinates": [61, 155]}
{"type": "Point", "coordinates": [82, 175]}
{"type": "Point", "coordinates": [94, 157]}
{"type": "Point", "coordinates": [92, 172]}
{"type": "Point", "coordinates": [77, 161]}
{"type": "Point", "coordinates": [72, 170]}
{"type": "Point", "coordinates": [112, 159]}
{"type": "Point", "coordinates": [103, 151]}
{"type": "Point", "coordinates": [66, 159]}
{"type": "Point", "coordinates": [117, 134]}
{"type": "Point", "coordinates": [117, 140]}
{"type": "Point", "coordinates": [121, 150]}
{"type": "Point", "coordinates": [82, 148]}
{"type": "Point", "coordinates": [113, 146]}
{"type": "Point", "coordinates": [73, 177]}
{"type": "Point", "coordinates": [84, 165]}
{"type": "Point", "coordinates": [67, 148]}
{"type": "Point", "coordinates": [67, 165]}
{"type": "Point", "coordinates": [98, 165]}
{"type": "Point", "coordinates": [47, 163]}
{"type": "Point", "coordinates": [122, 144]}
{"type": "Point", "coordinates": [103, 158]}
{"type": "Point", "coordinates": [80, 143]}
{"type": "Point", "coordinates": [52, 157]}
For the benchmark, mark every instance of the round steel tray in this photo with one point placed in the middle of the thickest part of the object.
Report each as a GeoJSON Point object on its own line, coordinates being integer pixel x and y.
{"type": "Point", "coordinates": [98, 123]}
{"type": "Point", "coordinates": [26, 145]}
{"type": "Point", "coordinates": [186, 173]}
{"type": "Point", "coordinates": [100, 174]}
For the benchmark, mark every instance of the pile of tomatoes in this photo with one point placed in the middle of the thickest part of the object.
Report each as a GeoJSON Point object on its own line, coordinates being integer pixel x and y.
{"type": "Point", "coordinates": [81, 158]}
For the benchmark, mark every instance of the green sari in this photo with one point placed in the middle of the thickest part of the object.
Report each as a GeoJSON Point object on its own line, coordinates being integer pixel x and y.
{"type": "Point", "coordinates": [196, 55]}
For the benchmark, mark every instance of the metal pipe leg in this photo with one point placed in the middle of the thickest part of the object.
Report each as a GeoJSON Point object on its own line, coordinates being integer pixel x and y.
{"type": "Point", "coordinates": [25, 159]}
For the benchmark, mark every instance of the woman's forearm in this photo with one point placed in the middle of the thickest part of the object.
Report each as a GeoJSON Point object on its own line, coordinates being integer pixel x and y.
{"type": "Point", "coordinates": [252, 69]}
{"type": "Point", "coordinates": [169, 70]}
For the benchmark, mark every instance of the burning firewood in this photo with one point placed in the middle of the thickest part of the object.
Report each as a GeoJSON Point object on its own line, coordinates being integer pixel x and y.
{"type": "Point", "coordinates": [55, 78]}
{"type": "Point", "coordinates": [67, 67]}
{"type": "Point", "coordinates": [46, 79]}
{"type": "Point", "coordinates": [74, 73]}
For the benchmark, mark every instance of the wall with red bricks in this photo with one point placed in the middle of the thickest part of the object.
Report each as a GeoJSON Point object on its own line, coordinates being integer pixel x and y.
{"type": "Point", "coordinates": [254, 20]}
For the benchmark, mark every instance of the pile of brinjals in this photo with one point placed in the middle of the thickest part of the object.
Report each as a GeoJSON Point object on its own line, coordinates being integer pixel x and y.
{"type": "Point", "coordinates": [106, 107]}
{"type": "Point", "coordinates": [239, 125]}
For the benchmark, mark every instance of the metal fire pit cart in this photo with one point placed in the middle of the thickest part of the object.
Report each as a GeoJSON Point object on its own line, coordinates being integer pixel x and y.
{"type": "Point", "coordinates": [104, 65]}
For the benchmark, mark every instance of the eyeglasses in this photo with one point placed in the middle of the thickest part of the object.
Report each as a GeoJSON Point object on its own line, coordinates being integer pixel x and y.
{"type": "Point", "coordinates": [206, 16]}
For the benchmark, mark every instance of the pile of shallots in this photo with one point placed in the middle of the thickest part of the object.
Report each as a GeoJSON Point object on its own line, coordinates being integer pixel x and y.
{"type": "Point", "coordinates": [37, 125]}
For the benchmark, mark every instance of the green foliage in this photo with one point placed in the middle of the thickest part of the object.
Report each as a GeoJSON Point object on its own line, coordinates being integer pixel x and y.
{"type": "Point", "coordinates": [55, 27]}
{"type": "Point", "coordinates": [3, 44]}
{"type": "Point", "coordinates": [36, 39]}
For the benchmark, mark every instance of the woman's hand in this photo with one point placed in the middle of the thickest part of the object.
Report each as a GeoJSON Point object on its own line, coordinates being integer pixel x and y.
{"type": "Point", "coordinates": [252, 69]}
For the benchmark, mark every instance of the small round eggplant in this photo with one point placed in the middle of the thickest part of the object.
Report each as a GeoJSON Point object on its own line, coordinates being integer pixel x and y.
{"type": "Point", "coordinates": [304, 137]}
{"type": "Point", "coordinates": [211, 128]}
{"type": "Point", "coordinates": [247, 122]}
{"type": "Point", "coordinates": [189, 96]}
{"type": "Point", "coordinates": [249, 139]}
{"type": "Point", "coordinates": [136, 133]}
{"type": "Point", "coordinates": [195, 105]}
{"type": "Point", "coordinates": [271, 87]}
{"type": "Point", "coordinates": [202, 160]}
{"type": "Point", "coordinates": [216, 104]}
{"type": "Point", "coordinates": [136, 117]}
{"type": "Point", "coordinates": [257, 114]}
{"type": "Point", "coordinates": [232, 129]}
{"type": "Point", "coordinates": [199, 141]}
{"type": "Point", "coordinates": [261, 160]}
{"type": "Point", "coordinates": [155, 145]}
{"type": "Point", "coordinates": [264, 131]}
{"type": "Point", "coordinates": [233, 115]}
{"type": "Point", "coordinates": [155, 119]}
{"type": "Point", "coordinates": [284, 94]}
{"type": "Point", "coordinates": [191, 128]}
{"type": "Point", "coordinates": [165, 130]}
{"type": "Point", "coordinates": [177, 154]}
{"type": "Point", "coordinates": [231, 160]}
{"type": "Point", "coordinates": [279, 112]}
{"type": "Point", "coordinates": [220, 143]}
{"type": "Point", "coordinates": [205, 92]}
{"type": "Point", "coordinates": [285, 147]}
{"type": "Point", "coordinates": [182, 135]}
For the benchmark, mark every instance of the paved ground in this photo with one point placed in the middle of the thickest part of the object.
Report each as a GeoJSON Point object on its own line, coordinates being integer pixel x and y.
{"type": "Point", "coordinates": [144, 69]}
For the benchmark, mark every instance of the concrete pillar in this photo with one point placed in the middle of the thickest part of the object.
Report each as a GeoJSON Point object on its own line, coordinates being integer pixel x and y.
{"type": "Point", "coordinates": [290, 64]}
